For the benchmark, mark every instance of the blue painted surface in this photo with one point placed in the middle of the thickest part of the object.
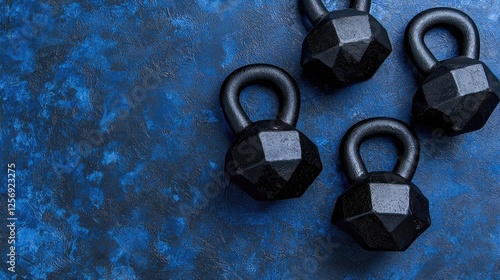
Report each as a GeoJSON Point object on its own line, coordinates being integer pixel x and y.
{"type": "Point", "coordinates": [110, 112]}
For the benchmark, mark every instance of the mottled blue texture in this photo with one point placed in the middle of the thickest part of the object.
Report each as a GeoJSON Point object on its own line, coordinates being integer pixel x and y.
{"type": "Point", "coordinates": [111, 113]}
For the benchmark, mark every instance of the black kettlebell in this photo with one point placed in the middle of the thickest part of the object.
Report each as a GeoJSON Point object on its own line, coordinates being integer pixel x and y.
{"type": "Point", "coordinates": [459, 94]}
{"type": "Point", "coordinates": [344, 46]}
{"type": "Point", "coordinates": [270, 159]}
{"type": "Point", "coordinates": [382, 211]}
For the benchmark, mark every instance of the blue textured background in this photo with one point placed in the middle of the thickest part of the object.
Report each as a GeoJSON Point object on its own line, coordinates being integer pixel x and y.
{"type": "Point", "coordinates": [110, 112]}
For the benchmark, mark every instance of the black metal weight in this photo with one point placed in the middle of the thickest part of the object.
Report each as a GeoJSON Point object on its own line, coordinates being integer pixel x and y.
{"type": "Point", "coordinates": [458, 94]}
{"type": "Point", "coordinates": [382, 211]}
{"type": "Point", "coordinates": [344, 46]}
{"type": "Point", "coordinates": [270, 159]}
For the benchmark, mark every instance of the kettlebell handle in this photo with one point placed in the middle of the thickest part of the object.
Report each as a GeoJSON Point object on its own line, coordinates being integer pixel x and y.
{"type": "Point", "coordinates": [407, 143]}
{"type": "Point", "coordinates": [315, 9]}
{"type": "Point", "coordinates": [454, 19]}
{"type": "Point", "coordinates": [287, 89]}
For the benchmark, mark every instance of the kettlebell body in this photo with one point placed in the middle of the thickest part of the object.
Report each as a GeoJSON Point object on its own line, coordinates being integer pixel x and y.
{"type": "Point", "coordinates": [344, 46]}
{"type": "Point", "coordinates": [459, 94]}
{"type": "Point", "coordinates": [270, 159]}
{"type": "Point", "coordinates": [382, 211]}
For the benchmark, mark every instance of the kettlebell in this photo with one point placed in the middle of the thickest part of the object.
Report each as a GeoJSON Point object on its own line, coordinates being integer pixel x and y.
{"type": "Point", "coordinates": [459, 94]}
{"type": "Point", "coordinates": [382, 211]}
{"type": "Point", "coordinates": [270, 159]}
{"type": "Point", "coordinates": [344, 46]}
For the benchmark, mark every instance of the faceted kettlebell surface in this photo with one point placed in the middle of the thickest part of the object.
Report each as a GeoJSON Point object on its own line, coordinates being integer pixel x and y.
{"type": "Point", "coordinates": [383, 212]}
{"type": "Point", "coordinates": [458, 97]}
{"type": "Point", "coordinates": [272, 160]}
{"type": "Point", "coordinates": [346, 46]}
